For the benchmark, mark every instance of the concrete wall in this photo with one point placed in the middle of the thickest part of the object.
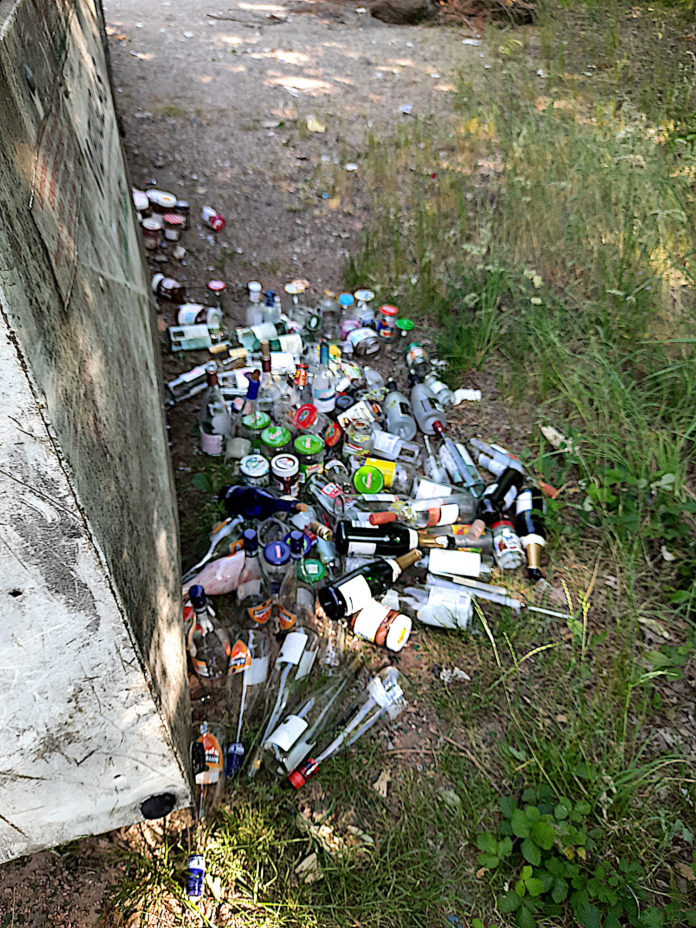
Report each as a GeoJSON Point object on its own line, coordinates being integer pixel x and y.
{"type": "Point", "coordinates": [95, 703]}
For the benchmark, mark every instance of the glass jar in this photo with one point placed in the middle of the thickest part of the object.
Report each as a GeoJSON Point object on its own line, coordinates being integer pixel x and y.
{"type": "Point", "coordinates": [399, 478]}
{"type": "Point", "coordinates": [368, 479]}
{"type": "Point", "coordinates": [364, 342]}
{"type": "Point", "coordinates": [161, 201]}
{"type": "Point", "coordinates": [386, 325]}
{"type": "Point", "coordinates": [152, 231]}
{"type": "Point", "coordinates": [173, 226]}
{"type": "Point", "coordinates": [404, 327]}
{"type": "Point", "coordinates": [285, 469]}
{"type": "Point", "coordinates": [183, 207]}
{"type": "Point", "coordinates": [357, 439]}
{"type": "Point", "coordinates": [310, 452]}
{"type": "Point", "coordinates": [307, 417]}
{"type": "Point", "coordinates": [275, 440]}
{"type": "Point", "coordinates": [254, 470]}
{"type": "Point", "coordinates": [365, 313]}
{"type": "Point", "coordinates": [166, 288]}
{"type": "Point", "coordinates": [252, 426]}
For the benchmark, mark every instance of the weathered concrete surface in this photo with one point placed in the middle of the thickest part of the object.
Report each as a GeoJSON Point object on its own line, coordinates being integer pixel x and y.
{"type": "Point", "coordinates": [95, 705]}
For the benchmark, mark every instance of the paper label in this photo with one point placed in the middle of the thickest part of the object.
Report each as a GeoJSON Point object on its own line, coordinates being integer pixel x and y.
{"type": "Point", "coordinates": [429, 490]}
{"type": "Point", "coordinates": [534, 540]}
{"type": "Point", "coordinates": [381, 696]}
{"type": "Point", "coordinates": [385, 443]}
{"type": "Point", "coordinates": [362, 548]}
{"type": "Point", "coordinates": [360, 411]}
{"type": "Point", "coordinates": [287, 733]}
{"type": "Point", "coordinates": [369, 619]}
{"type": "Point", "coordinates": [293, 646]}
{"type": "Point", "coordinates": [306, 662]}
{"type": "Point", "coordinates": [332, 491]}
{"type": "Point", "coordinates": [460, 563]}
{"type": "Point", "coordinates": [240, 658]}
{"type": "Point", "coordinates": [258, 671]}
{"type": "Point", "coordinates": [356, 593]}
{"type": "Point", "coordinates": [213, 760]}
{"type": "Point", "coordinates": [286, 619]}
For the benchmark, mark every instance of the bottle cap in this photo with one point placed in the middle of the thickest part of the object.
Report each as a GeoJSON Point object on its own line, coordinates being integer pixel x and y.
{"type": "Point", "coordinates": [408, 559]}
{"type": "Point", "coordinates": [297, 779]}
{"type": "Point", "coordinates": [399, 632]}
{"type": "Point", "coordinates": [364, 295]}
{"type": "Point", "coordinates": [251, 542]}
{"type": "Point", "coordinates": [305, 416]}
{"type": "Point", "coordinates": [257, 422]}
{"type": "Point", "coordinates": [368, 479]}
{"type": "Point", "coordinates": [388, 309]}
{"type": "Point", "coordinates": [405, 325]}
{"type": "Point", "coordinates": [276, 553]}
{"type": "Point", "coordinates": [216, 286]}
{"type": "Point", "coordinates": [254, 287]}
{"type": "Point", "coordinates": [284, 465]}
{"type": "Point", "coordinates": [311, 571]}
{"type": "Point", "coordinates": [382, 518]}
{"type": "Point", "coordinates": [346, 299]}
{"type": "Point", "coordinates": [197, 596]}
{"type": "Point", "coordinates": [253, 466]}
{"type": "Point", "coordinates": [298, 543]}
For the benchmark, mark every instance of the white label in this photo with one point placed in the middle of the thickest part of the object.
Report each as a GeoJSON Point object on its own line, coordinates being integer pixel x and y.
{"type": "Point", "coordinates": [361, 411]}
{"type": "Point", "coordinates": [380, 695]}
{"type": "Point", "coordinates": [293, 646]}
{"type": "Point", "coordinates": [356, 593]}
{"type": "Point", "coordinates": [448, 514]}
{"type": "Point", "coordinates": [258, 672]}
{"type": "Point", "coordinates": [369, 619]}
{"type": "Point", "coordinates": [306, 662]}
{"type": "Point", "coordinates": [287, 733]}
{"type": "Point", "coordinates": [534, 540]}
{"type": "Point", "coordinates": [362, 548]}
{"type": "Point", "coordinates": [387, 444]}
{"type": "Point", "coordinates": [460, 563]}
{"type": "Point", "coordinates": [188, 313]}
{"type": "Point", "coordinates": [429, 490]}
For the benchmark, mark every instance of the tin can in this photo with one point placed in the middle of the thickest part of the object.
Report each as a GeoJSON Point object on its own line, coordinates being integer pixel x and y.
{"type": "Point", "coordinates": [254, 470]}
{"type": "Point", "coordinates": [195, 876]}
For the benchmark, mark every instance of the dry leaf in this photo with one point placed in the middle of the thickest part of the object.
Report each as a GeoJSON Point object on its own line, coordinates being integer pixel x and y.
{"type": "Point", "coordinates": [480, 873]}
{"type": "Point", "coordinates": [686, 871]}
{"type": "Point", "coordinates": [314, 125]}
{"type": "Point", "coordinates": [382, 782]}
{"type": "Point", "coordinates": [308, 869]}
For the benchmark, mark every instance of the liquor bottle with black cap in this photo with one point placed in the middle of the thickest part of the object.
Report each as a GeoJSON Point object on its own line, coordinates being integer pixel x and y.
{"type": "Point", "coordinates": [355, 590]}
{"type": "Point", "coordinates": [529, 522]}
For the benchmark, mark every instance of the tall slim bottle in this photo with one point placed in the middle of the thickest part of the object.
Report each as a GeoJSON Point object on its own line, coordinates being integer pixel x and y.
{"type": "Point", "coordinates": [529, 522]}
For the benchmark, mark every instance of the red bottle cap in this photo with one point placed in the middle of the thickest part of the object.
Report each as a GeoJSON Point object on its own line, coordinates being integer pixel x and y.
{"type": "Point", "coordinates": [305, 416]}
{"type": "Point", "coordinates": [297, 779]}
{"type": "Point", "coordinates": [382, 518]}
{"type": "Point", "coordinates": [216, 286]}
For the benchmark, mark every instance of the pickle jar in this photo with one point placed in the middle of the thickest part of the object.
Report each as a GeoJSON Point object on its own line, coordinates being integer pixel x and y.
{"type": "Point", "coordinates": [275, 440]}
{"type": "Point", "coordinates": [252, 426]}
{"type": "Point", "coordinates": [254, 470]}
{"type": "Point", "coordinates": [310, 451]}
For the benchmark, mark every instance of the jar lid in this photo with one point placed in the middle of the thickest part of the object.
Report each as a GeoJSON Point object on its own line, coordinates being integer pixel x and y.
{"type": "Point", "coordinates": [343, 402]}
{"type": "Point", "coordinates": [364, 295]}
{"type": "Point", "coordinates": [256, 421]}
{"type": "Point", "coordinates": [140, 200]}
{"type": "Point", "coordinates": [308, 444]}
{"type": "Point", "coordinates": [216, 286]}
{"type": "Point", "coordinates": [285, 465]}
{"type": "Point", "coordinates": [405, 325]}
{"type": "Point", "coordinates": [254, 286]}
{"type": "Point", "coordinates": [254, 465]}
{"type": "Point", "coordinates": [304, 416]}
{"type": "Point", "coordinates": [304, 541]}
{"type": "Point", "coordinates": [398, 632]}
{"type": "Point", "coordinates": [311, 571]}
{"type": "Point", "coordinates": [276, 553]}
{"type": "Point", "coordinates": [387, 309]}
{"type": "Point", "coordinates": [346, 299]}
{"type": "Point", "coordinates": [368, 479]}
{"type": "Point", "coordinates": [152, 224]}
{"type": "Point", "coordinates": [275, 436]}
{"type": "Point", "coordinates": [161, 198]}
{"type": "Point", "coordinates": [173, 219]}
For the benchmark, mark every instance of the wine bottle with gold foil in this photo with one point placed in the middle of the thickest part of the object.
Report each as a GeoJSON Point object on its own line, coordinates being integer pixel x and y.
{"type": "Point", "coordinates": [529, 522]}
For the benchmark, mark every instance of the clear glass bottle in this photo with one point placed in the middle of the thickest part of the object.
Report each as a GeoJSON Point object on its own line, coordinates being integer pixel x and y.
{"type": "Point", "coordinates": [254, 310]}
{"type": "Point", "coordinates": [324, 383]}
{"type": "Point", "coordinates": [399, 415]}
{"type": "Point", "coordinates": [439, 389]}
{"type": "Point", "coordinates": [249, 666]}
{"type": "Point", "coordinates": [269, 391]}
{"type": "Point", "coordinates": [253, 589]}
{"type": "Point", "coordinates": [507, 547]}
{"type": "Point", "coordinates": [276, 558]}
{"type": "Point", "coordinates": [214, 419]}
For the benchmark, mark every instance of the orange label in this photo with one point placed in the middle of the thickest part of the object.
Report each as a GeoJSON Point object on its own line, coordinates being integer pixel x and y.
{"type": "Point", "coordinates": [433, 517]}
{"type": "Point", "coordinates": [240, 658]}
{"type": "Point", "coordinates": [213, 759]}
{"type": "Point", "coordinates": [286, 619]}
{"type": "Point", "coordinates": [261, 613]}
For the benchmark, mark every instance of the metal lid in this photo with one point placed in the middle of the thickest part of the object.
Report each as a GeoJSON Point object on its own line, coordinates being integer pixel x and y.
{"type": "Point", "coordinates": [250, 539]}
{"type": "Point", "coordinates": [254, 465]}
{"type": "Point", "coordinates": [311, 571]}
{"type": "Point", "coordinates": [364, 295]}
{"type": "Point", "coordinates": [276, 553]}
{"type": "Point", "coordinates": [216, 286]}
{"type": "Point", "coordinates": [346, 299]}
{"type": "Point", "coordinates": [276, 436]}
{"type": "Point", "coordinates": [368, 479]}
{"type": "Point", "coordinates": [285, 465]}
{"type": "Point", "coordinates": [305, 416]}
{"type": "Point", "coordinates": [173, 219]}
{"type": "Point", "coordinates": [308, 444]}
{"type": "Point", "coordinates": [387, 309]}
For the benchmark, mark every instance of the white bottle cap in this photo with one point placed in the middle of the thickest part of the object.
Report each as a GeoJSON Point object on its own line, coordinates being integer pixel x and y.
{"type": "Point", "coordinates": [254, 286]}
{"type": "Point", "coordinates": [399, 632]}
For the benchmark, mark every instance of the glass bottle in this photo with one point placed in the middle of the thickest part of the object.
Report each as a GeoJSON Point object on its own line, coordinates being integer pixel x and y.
{"type": "Point", "coordinates": [382, 701]}
{"type": "Point", "coordinates": [529, 522]}
{"type": "Point", "coordinates": [439, 389]}
{"type": "Point", "coordinates": [254, 310]}
{"type": "Point", "coordinates": [397, 410]}
{"type": "Point", "coordinates": [255, 502]}
{"type": "Point", "coordinates": [269, 390]}
{"type": "Point", "coordinates": [249, 665]}
{"type": "Point", "coordinates": [276, 556]}
{"type": "Point", "coordinates": [324, 383]}
{"type": "Point", "coordinates": [214, 419]}
{"type": "Point", "coordinates": [289, 607]}
{"type": "Point", "coordinates": [507, 547]}
{"type": "Point", "coordinates": [354, 591]}
{"type": "Point", "coordinates": [417, 359]}
{"type": "Point", "coordinates": [253, 589]}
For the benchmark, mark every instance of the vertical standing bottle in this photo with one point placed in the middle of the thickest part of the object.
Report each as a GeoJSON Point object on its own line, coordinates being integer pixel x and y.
{"type": "Point", "coordinates": [214, 419]}
{"type": "Point", "coordinates": [253, 589]}
{"type": "Point", "coordinates": [529, 522]}
{"type": "Point", "coordinates": [324, 383]}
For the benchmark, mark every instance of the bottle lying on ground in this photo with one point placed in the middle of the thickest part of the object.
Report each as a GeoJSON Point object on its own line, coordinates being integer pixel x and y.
{"type": "Point", "coordinates": [390, 540]}
{"type": "Point", "coordinates": [255, 502]}
{"type": "Point", "coordinates": [246, 682]}
{"type": "Point", "coordinates": [354, 591]}
{"type": "Point", "coordinates": [426, 513]}
{"type": "Point", "coordinates": [529, 522]}
{"type": "Point", "coordinates": [296, 736]}
{"type": "Point", "coordinates": [382, 701]}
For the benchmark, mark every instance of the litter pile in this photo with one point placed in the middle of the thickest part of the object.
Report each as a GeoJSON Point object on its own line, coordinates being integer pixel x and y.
{"type": "Point", "coordinates": [350, 511]}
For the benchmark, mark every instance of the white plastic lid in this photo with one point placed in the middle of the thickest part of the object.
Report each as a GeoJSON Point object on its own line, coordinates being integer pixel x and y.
{"type": "Point", "coordinates": [254, 286]}
{"type": "Point", "coordinates": [399, 632]}
{"type": "Point", "coordinates": [254, 465]}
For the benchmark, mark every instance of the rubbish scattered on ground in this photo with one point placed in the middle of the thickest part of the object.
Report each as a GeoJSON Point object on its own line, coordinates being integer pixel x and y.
{"type": "Point", "coordinates": [455, 675]}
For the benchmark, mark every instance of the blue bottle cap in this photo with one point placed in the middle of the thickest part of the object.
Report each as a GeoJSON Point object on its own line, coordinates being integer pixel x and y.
{"type": "Point", "coordinates": [276, 553]}
{"type": "Point", "coordinates": [251, 543]}
{"type": "Point", "coordinates": [234, 759]}
{"type": "Point", "coordinates": [346, 299]}
{"type": "Point", "coordinates": [197, 596]}
{"type": "Point", "coordinates": [299, 544]}
{"type": "Point", "coordinates": [269, 297]}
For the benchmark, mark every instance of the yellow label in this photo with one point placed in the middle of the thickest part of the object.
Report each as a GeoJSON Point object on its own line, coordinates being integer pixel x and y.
{"type": "Point", "coordinates": [386, 468]}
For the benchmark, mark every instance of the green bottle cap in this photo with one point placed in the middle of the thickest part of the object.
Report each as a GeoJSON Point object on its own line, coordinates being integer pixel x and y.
{"type": "Point", "coordinates": [308, 444]}
{"type": "Point", "coordinates": [257, 422]}
{"type": "Point", "coordinates": [368, 479]}
{"type": "Point", "coordinates": [310, 571]}
{"type": "Point", "coordinates": [405, 325]}
{"type": "Point", "coordinates": [275, 436]}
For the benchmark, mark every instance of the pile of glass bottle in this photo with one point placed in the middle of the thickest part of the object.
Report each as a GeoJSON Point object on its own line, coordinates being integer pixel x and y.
{"type": "Point", "coordinates": [330, 498]}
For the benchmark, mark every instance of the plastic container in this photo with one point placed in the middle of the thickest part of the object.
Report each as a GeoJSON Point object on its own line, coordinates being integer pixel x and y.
{"type": "Point", "coordinates": [254, 471]}
{"type": "Point", "coordinates": [310, 450]}
{"type": "Point", "coordinates": [368, 479]}
{"type": "Point", "coordinates": [285, 469]}
{"type": "Point", "coordinates": [275, 440]}
{"type": "Point", "coordinates": [386, 323]}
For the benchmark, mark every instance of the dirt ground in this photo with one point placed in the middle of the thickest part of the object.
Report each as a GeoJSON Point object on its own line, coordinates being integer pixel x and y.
{"type": "Point", "coordinates": [218, 105]}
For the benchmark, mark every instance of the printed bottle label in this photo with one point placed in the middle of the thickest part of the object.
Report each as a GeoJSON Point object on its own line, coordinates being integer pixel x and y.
{"type": "Point", "coordinates": [443, 515]}
{"type": "Point", "coordinates": [258, 671]}
{"type": "Point", "coordinates": [381, 695]}
{"type": "Point", "coordinates": [361, 548]}
{"type": "Point", "coordinates": [240, 657]}
{"type": "Point", "coordinates": [287, 733]}
{"type": "Point", "coordinates": [261, 613]}
{"type": "Point", "coordinates": [356, 593]}
{"type": "Point", "coordinates": [211, 443]}
{"type": "Point", "coordinates": [213, 760]}
{"type": "Point", "coordinates": [369, 619]}
{"type": "Point", "coordinates": [286, 619]}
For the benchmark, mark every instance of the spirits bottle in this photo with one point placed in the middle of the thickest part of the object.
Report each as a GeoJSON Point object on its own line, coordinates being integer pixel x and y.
{"type": "Point", "coordinates": [426, 410]}
{"type": "Point", "coordinates": [249, 664]}
{"type": "Point", "coordinates": [529, 522]}
{"type": "Point", "coordinates": [269, 390]}
{"type": "Point", "coordinates": [255, 503]}
{"type": "Point", "coordinates": [253, 589]}
{"type": "Point", "coordinates": [426, 513]}
{"type": "Point", "coordinates": [208, 645]}
{"type": "Point", "coordinates": [397, 410]}
{"type": "Point", "coordinates": [324, 383]}
{"type": "Point", "coordinates": [214, 419]}
{"type": "Point", "coordinates": [363, 539]}
{"type": "Point", "coordinates": [382, 701]}
{"type": "Point", "coordinates": [352, 592]}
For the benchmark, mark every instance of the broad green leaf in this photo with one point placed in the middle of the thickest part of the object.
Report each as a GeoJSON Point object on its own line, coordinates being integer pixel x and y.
{"type": "Point", "coordinates": [477, 923]}
{"type": "Point", "coordinates": [587, 914]}
{"type": "Point", "coordinates": [507, 806]}
{"type": "Point", "coordinates": [504, 847]}
{"type": "Point", "coordinates": [560, 890]}
{"type": "Point", "coordinates": [531, 852]}
{"type": "Point", "coordinates": [524, 917]}
{"type": "Point", "coordinates": [532, 813]}
{"type": "Point", "coordinates": [543, 835]}
{"type": "Point", "coordinates": [510, 902]}
{"type": "Point", "coordinates": [651, 918]}
{"type": "Point", "coordinates": [203, 483]}
{"type": "Point", "coordinates": [560, 812]}
{"type": "Point", "coordinates": [520, 825]}
{"type": "Point", "coordinates": [520, 888]}
{"type": "Point", "coordinates": [534, 887]}
{"type": "Point", "coordinates": [582, 807]}
{"type": "Point", "coordinates": [486, 842]}
{"type": "Point", "coordinates": [526, 873]}
{"type": "Point", "coordinates": [529, 795]}
{"type": "Point", "coordinates": [490, 861]}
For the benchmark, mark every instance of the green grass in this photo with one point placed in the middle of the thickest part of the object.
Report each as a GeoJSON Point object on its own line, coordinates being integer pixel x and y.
{"type": "Point", "coordinates": [546, 233]}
